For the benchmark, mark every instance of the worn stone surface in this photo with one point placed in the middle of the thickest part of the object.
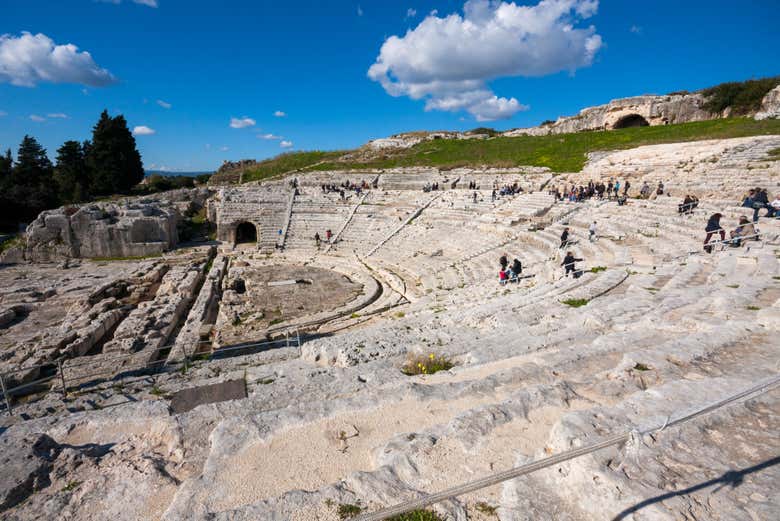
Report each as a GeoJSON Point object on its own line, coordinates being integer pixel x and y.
{"type": "Point", "coordinates": [662, 328]}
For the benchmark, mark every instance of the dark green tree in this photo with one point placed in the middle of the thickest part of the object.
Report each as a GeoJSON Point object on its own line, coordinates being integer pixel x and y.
{"type": "Point", "coordinates": [6, 166]}
{"type": "Point", "coordinates": [31, 183]}
{"type": "Point", "coordinates": [113, 161]}
{"type": "Point", "coordinates": [71, 173]}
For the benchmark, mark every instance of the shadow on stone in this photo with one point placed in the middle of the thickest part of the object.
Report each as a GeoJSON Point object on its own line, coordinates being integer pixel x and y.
{"type": "Point", "coordinates": [732, 478]}
{"type": "Point", "coordinates": [187, 399]}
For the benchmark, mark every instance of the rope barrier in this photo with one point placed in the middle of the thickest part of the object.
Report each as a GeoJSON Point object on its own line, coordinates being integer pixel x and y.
{"type": "Point", "coordinates": [516, 472]}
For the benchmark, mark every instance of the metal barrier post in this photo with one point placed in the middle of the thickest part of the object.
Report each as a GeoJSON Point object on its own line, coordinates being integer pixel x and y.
{"type": "Point", "coordinates": [298, 336]}
{"type": "Point", "coordinates": [5, 394]}
{"type": "Point", "coordinates": [62, 377]}
{"type": "Point", "coordinates": [287, 339]}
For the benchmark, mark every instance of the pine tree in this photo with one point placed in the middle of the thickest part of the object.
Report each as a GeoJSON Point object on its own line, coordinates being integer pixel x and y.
{"type": "Point", "coordinates": [6, 166]}
{"type": "Point", "coordinates": [71, 172]}
{"type": "Point", "coordinates": [31, 188]}
{"type": "Point", "coordinates": [113, 160]}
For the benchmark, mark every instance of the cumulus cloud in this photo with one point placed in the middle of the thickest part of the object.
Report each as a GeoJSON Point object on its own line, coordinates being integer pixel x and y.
{"type": "Point", "coordinates": [286, 144]}
{"type": "Point", "coordinates": [143, 130]}
{"type": "Point", "coordinates": [57, 115]}
{"type": "Point", "coordinates": [448, 61]}
{"type": "Point", "coordinates": [29, 59]}
{"type": "Point", "coordinates": [269, 136]}
{"type": "Point", "coordinates": [411, 12]}
{"type": "Point", "coordinates": [164, 104]}
{"type": "Point", "coordinates": [37, 118]}
{"type": "Point", "coordinates": [636, 29]}
{"type": "Point", "coordinates": [280, 114]}
{"type": "Point", "coordinates": [224, 149]}
{"type": "Point", "coordinates": [242, 122]}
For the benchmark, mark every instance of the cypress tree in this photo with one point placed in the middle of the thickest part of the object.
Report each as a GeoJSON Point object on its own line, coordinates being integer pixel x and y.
{"type": "Point", "coordinates": [71, 172]}
{"type": "Point", "coordinates": [31, 187]}
{"type": "Point", "coordinates": [113, 160]}
{"type": "Point", "coordinates": [6, 165]}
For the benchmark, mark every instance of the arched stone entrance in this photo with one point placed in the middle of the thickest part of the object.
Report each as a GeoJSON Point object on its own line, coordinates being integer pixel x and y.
{"type": "Point", "coordinates": [246, 232]}
{"type": "Point", "coordinates": [629, 121]}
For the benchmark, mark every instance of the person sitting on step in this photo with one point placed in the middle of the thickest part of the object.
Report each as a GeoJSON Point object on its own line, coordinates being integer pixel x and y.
{"type": "Point", "coordinates": [744, 231]}
{"type": "Point", "coordinates": [515, 270]}
{"type": "Point", "coordinates": [503, 261]}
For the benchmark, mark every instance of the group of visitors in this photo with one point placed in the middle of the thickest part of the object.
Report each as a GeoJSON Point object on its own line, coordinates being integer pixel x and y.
{"type": "Point", "coordinates": [512, 189]}
{"type": "Point", "coordinates": [745, 230]}
{"type": "Point", "coordinates": [342, 188]}
{"type": "Point", "coordinates": [597, 190]}
{"type": "Point", "coordinates": [689, 204]}
{"type": "Point", "coordinates": [509, 273]}
{"type": "Point", "coordinates": [757, 199]}
{"type": "Point", "coordinates": [431, 187]}
{"type": "Point", "coordinates": [645, 192]}
{"type": "Point", "coordinates": [473, 185]}
{"type": "Point", "coordinates": [318, 239]}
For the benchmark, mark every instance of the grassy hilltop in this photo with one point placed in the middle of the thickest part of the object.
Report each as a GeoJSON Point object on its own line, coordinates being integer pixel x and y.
{"type": "Point", "coordinates": [559, 153]}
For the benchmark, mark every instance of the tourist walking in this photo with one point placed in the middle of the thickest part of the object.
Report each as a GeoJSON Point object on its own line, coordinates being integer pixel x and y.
{"type": "Point", "coordinates": [564, 238]}
{"type": "Point", "coordinates": [568, 265]}
{"type": "Point", "coordinates": [592, 232]}
{"type": "Point", "coordinates": [713, 226]}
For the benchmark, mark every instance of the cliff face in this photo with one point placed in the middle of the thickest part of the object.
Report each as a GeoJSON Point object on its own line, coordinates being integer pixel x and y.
{"type": "Point", "coordinates": [770, 105]}
{"type": "Point", "coordinates": [627, 112]}
{"type": "Point", "coordinates": [102, 230]}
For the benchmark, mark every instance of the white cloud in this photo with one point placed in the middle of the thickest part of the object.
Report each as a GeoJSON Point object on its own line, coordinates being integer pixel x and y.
{"type": "Point", "coordinates": [411, 12]}
{"type": "Point", "coordinates": [29, 59]}
{"type": "Point", "coordinates": [224, 149]}
{"type": "Point", "coordinates": [143, 130]}
{"type": "Point", "coordinates": [57, 115]}
{"type": "Point", "coordinates": [280, 114]}
{"type": "Point", "coordinates": [150, 3]}
{"type": "Point", "coordinates": [269, 136]}
{"type": "Point", "coordinates": [164, 104]}
{"type": "Point", "coordinates": [636, 29]}
{"type": "Point", "coordinates": [360, 11]}
{"type": "Point", "coordinates": [3, 113]}
{"type": "Point", "coordinates": [449, 61]}
{"type": "Point", "coordinates": [242, 122]}
{"type": "Point", "coordinates": [208, 146]}
{"type": "Point", "coordinates": [286, 144]}
{"type": "Point", "coordinates": [37, 118]}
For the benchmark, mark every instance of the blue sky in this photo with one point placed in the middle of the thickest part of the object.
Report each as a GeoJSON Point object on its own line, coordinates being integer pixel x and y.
{"type": "Point", "coordinates": [207, 62]}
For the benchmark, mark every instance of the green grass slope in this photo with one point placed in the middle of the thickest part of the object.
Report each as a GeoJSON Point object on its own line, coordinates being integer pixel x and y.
{"type": "Point", "coordinates": [559, 153]}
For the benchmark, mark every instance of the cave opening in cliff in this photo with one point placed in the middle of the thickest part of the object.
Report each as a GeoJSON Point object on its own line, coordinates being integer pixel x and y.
{"type": "Point", "coordinates": [246, 233]}
{"type": "Point", "coordinates": [632, 120]}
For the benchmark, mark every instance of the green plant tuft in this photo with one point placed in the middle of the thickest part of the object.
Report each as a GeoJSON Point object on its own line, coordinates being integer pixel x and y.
{"type": "Point", "coordinates": [575, 302]}
{"type": "Point", "coordinates": [430, 364]}
{"type": "Point", "coordinates": [347, 510]}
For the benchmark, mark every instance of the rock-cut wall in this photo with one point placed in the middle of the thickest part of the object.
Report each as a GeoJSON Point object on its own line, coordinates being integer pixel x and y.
{"type": "Point", "coordinates": [627, 112]}
{"type": "Point", "coordinates": [102, 230]}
